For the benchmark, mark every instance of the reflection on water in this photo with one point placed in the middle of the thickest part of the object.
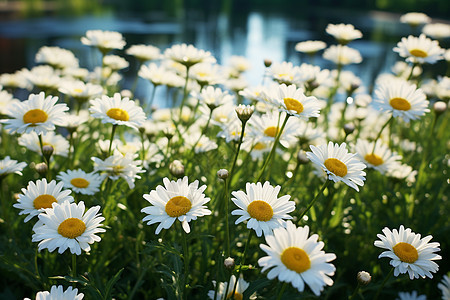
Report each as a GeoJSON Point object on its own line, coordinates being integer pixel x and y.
{"type": "Point", "coordinates": [255, 34]}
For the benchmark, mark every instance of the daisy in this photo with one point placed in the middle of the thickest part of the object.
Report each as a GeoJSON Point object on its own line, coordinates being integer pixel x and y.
{"type": "Point", "coordinates": [444, 286]}
{"type": "Point", "coordinates": [410, 296]}
{"type": "Point", "coordinates": [10, 166]}
{"type": "Point", "coordinates": [342, 55]}
{"type": "Point", "coordinates": [419, 49]}
{"type": "Point", "coordinates": [202, 143]}
{"type": "Point", "coordinates": [415, 18]}
{"type": "Point", "coordinates": [39, 114]}
{"type": "Point", "coordinates": [409, 252]}
{"type": "Point", "coordinates": [68, 225]}
{"type": "Point", "coordinates": [58, 293]}
{"type": "Point", "coordinates": [81, 182]}
{"type": "Point", "coordinates": [438, 31]}
{"type": "Point", "coordinates": [343, 33]}
{"type": "Point", "coordinates": [262, 207]}
{"type": "Point", "coordinates": [310, 47]}
{"type": "Point", "coordinates": [340, 165]}
{"type": "Point", "coordinates": [400, 98]}
{"type": "Point", "coordinates": [175, 200]}
{"type": "Point", "coordinates": [15, 80]}
{"type": "Point", "coordinates": [225, 290]}
{"type": "Point", "coordinates": [284, 72]}
{"type": "Point", "coordinates": [104, 40]}
{"type": "Point", "coordinates": [31, 142]}
{"type": "Point", "coordinates": [380, 158]}
{"type": "Point", "coordinates": [188, 55]}
{"type": "Point", "coordinates": [117, 111]}
{"type": "Point", "coordinates": [239, 63]}
{"type": "Point", "coordinates": [311, 76]}
{"type": "Point", "coordinates": [293, 101]}
{"type": "Point", "coordinates": [207, 74]}
{"type": "Point", "coordinates": [120, 166]}
{"type": "Point", "coordinates": [213, 97]}
{"type": "Point", "coordinates": [58, 58]}
{"type": "Point", "coordinates": [44, 78]}
{"type": "Point", "coordinates": [154, 73]}
{"type": "Point", "coordinates": [115, 62]}
{"type": "Point", "coordinates": [144, 52]}
{"type": "Point", "coordinates": [297, 258]}
{"type": "Point", "coordinates": [39, 196]}
{"type": "Point", "coordinates": [79, 90]}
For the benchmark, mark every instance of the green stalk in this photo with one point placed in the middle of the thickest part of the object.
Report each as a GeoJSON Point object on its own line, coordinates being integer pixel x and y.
{"type": "Point", "coordinates": [283, 287]}
{"type": "Point", "coordinates": [184, 94]}
{"type": "Point", "coordinates": [111, 139]}
{"type": "Point", "coordinates": [227, 225]}
{"type": "Point", "coordinates": [379, 133]}
{"type": "Point", "coordinates": [326, 183]}
{"type": "Point", "coordinates": [242, 261]}
{"type": "Point", "coordinates": [241, 138]}
{"type": "Point", "coordinates": [186, 261]}
{"type": "Point", "coordinates": [383, 284]}
{"type": "Point", "coordinates": [355, 292]}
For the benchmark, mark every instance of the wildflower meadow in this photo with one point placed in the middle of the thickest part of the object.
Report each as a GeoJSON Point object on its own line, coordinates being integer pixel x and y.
{"type": "Point", "coordinates": [314, 184]}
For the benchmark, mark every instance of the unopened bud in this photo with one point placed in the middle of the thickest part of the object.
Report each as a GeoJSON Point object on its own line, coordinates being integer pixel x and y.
{"type": "Point", "coordinates": [222, 174]}
{"type": "Point", "coordinates": [440, 107]}
{"type": "Point", "coordinates": [16, 196]}
{"type": "Point", "coordinates": [41, 168]}
{"type": "Point", "coordinates": [229, 263]}
{"type": "Point", "coordinates": [176, 168]}
{"type": "Point", "coordinates": [169, 133]}
{"type": "Point", "coordinates": [267, 63]}
{"type": "Point", "coordinates": [244, 112]}
{"type": "Point", "coordinates": [349, 128]}
{"type": "Point", "coordinates": [302, 158]}
{"type": "Point", "coordinates": [363, 277]}
{"type": "Point", "coordinates": [47, 151]}
{"type": "Point", "coordinates": [126, 94]}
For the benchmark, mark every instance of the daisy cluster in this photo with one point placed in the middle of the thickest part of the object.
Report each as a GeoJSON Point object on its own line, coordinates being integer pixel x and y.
{"type": "Point", "coordinates": [279, 182]}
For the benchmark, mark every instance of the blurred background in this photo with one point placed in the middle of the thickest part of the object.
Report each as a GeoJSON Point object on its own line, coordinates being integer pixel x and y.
{"type": "Point", "coordinates": [256, 29]}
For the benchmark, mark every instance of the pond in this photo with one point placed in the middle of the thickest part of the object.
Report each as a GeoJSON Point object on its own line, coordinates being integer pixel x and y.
{"type": "Point", "coordinates": [255, 34]}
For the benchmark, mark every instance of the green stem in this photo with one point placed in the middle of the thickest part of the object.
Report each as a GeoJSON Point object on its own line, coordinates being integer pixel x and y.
{"type": "Point", "coordinates": [152, 98]}
{"type": "Point", "coordinates": [186, 261]}
{"type": "Point", "coordinates": [241, 138]}
{"type": "Point", "coordinates": [381, 130]}
{"type": "Point", "coordinates": [412, 71]}
{"type": "Point", "coordinates": [283, 287]}
{"type": "Point", "coordinates": [242, 261]}
{"type": "Point", "coordinates": [74, 265]}
{"type": "Point", "coordinates": [203, 131]}
{"type": "Point", "coordinates": [227, 225]}
{"type": "Point", "coordinates": [355, 292]}
{"type": "Point", "coordinates": [277, 139]}
{"type": "Point", "coordinates": [326, 183]}
{"type": "Point", "coordinates": [384, 283]}
{"type": "Point", "coordinates": [133, 88]}
{"type": "Point", "coordinates": [111, 139]}
{"type": "Point", "coordinates": [184, 94]}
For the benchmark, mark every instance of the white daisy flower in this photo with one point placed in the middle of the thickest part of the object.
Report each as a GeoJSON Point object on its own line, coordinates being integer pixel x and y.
{"type": "Point", "coordinates": [207, 74]}
{"type": "Point", "coordinates": [10, 166]}
{"type": "Point", "coordinates": [213, 97]}
{"type": "Point", "coordinates": [81, 182]}
{"type": "Point", "coordinates": [239, 63]}
{"type": "Point", "coordinates": [120, 166]}
{"type": "Point", "coordinates": [68, 225]}
{"type": "Point", "coordinates": [58, 293]}
{"type": "Point", "coordinates": [381, 158]}
{"type": "Point", "coordinates": [340, 165]}
{"type": "Point", "coordinates": [41, 195]}
{"type": "Point", "coordinates": [310, 47]}
{"type": "Point", "coordinates": [175, 200]}
{"type": "Point", "coordinates": [188, 55]}
{"type": "Point", "coordinates": [115, 62]}
{"type": "Point", "coordinates": [438, 31]}
{"type": "Point", "coordinates": [43, 78]}
{"type": "Point", "coordinates": [410, 296]}
{"type": "Point", "coordinates": [284, 72]}
{"type": "Point", "coordinates": [79, 90]}
{"type": "Point", "coordinates": [343, 33]}
{"type": "Point", "coordinates": [31, 142]}
{"type": "Point", "coordinates": [409, 252]}
{"type": "Point", "coordinates": [225, 290]}
{"type": "Point", "coordinates": [400, 98]}
{"type": "Point", "coordinates": [154, 73]}
{"type": "Point", "coordinates": [57, 57]}
{"type": "Point", "coordinates": [444, 286]}
{"type": "Point", "coordinates": [293, 101]}
{"type": "Point", "coordinates": [144, 52]}
{"type": "Point", "coordinates": [419, 49]}
{"type": "Point", "coordinates": [415, 18]}
{"type": "Point", "coordinates": [39, 114]}
{"type": "Point", "coordinates": [6, 99]}
{"type": "Point", "coordinates": [342, 55]}
{"type": "Point", "coordinates": [202, 143]}
{"type": "Point", "coordinates": [117, 111]}
{"type": "Point", "coordinates": [311, 76]}
{"type": "Point", "coordinates": [104, 40]}
{"type": "Point", "coordinates": [262, 207]}
{"type": "Point", "coordinates": [297, 258]}
{"type": "Point", "coordinates": [15, 80]}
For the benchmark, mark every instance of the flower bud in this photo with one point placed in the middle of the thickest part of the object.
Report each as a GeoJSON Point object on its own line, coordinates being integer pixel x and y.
{"type": "Point", "coordinates": [349, 128]}
{"type": "Point", "coordinates": [41, 168]}
{"type": "Point", "coordinates": [229, 263]}
{"type": "Point", "coordinates": [440, 107]}
{"type": "Point", "coordinates": [222, 174]}
{"type": "Point", "coordinates": [267, 63]}
{"type": "Point", "coordinates": [363, 277]}
{"type": "Point", "coordinates": [176, 168]}
{"type": "Point", "coordinates": [244, 112]}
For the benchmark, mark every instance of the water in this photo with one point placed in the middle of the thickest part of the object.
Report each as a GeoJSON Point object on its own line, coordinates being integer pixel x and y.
{"type": "Point", "coordinates": [256, 34]}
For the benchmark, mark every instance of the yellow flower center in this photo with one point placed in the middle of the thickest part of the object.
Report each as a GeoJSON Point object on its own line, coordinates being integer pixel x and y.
{"type": "Point", "coordinates": [35, 116]}
{"type": "Point", "coordinates": [293, 104]}
{"type": "Point", "coordinates": [178, 206]}
{"type": "Point", "coordinates": [80, 183]}
{"type": "Point", "coordinates": [259, 146]}
{"type": "Point", "coordinates": [237, 296]}
{"type": "Point", "coordinates": [78, 91]}
{"type": "Point", "coordinates": [202, 74]}
{"type": "Point", "coordinates": [271, 131]}
{"type": "Point", "coordinates": [406, 252]}
{"type": "Point", "coordinates": [286, 75]}
{"type": "Point", "coordinates": [336, 167]}
{"type": "Point", "coordinates": [44, 201]}
{"type": "Point", "coordinates": [418, 53]}
{"type": "Point", "coordinates": [118, 114]}
{"type": "Point", "coordinates": [71, 228]}
{"type": "Point", "coordinates": [260, 210]}
{"type": "Point", "coordinates": [400, 103]}
{"type": "Point", "coordinates": [295, 259]}
{"type": "Point", "coordinates": [373, 159]}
